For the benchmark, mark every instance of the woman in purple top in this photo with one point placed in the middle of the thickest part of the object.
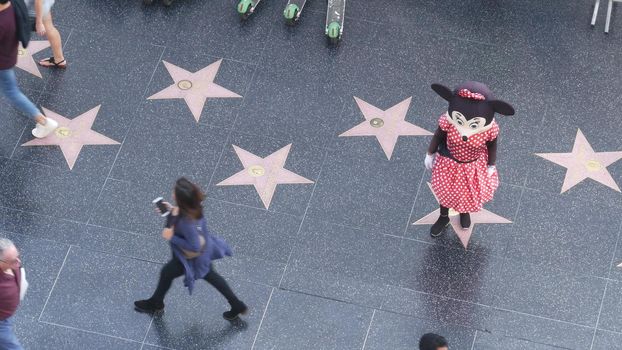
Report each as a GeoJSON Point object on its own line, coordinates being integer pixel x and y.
{"type": "Point", "coordinates": [10, 26]}
{"type": "Point", "coordinates": [193, 248]}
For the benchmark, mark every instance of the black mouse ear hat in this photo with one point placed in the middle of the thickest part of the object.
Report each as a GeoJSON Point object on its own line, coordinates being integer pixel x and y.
{"type": "Point", "coordinates": [473, 99]}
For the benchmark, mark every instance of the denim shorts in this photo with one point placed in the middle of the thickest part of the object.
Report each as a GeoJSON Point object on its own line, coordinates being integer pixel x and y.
{"type": "Point", "coordinates": [47, 7]}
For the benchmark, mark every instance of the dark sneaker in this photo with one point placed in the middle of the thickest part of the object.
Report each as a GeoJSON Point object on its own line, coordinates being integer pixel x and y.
{"type": "Point", "coordinates": [439, 226]}
{"type": "Point", "coordinates": [235, 312]}
{"type": "Point", "coordinates": [465, 220]}
{"type": "Point", "coordinates": [148, 306]}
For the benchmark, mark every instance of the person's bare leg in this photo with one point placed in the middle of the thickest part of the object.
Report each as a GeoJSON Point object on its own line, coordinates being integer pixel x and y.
{"type": "Point", "coordinates": [41, 119]}
{"type": "Point", "coordinates": [55, 41]}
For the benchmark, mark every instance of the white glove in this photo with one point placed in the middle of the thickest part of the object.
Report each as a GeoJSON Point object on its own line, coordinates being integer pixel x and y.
{"type": "Point", "coordinates": [429, 161]}
{"type": "Point", "coordinates": [491, 170]}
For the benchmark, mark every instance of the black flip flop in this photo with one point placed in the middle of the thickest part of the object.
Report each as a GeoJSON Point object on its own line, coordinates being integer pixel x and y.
{"type": "Point", "coordinates": [54, 63]}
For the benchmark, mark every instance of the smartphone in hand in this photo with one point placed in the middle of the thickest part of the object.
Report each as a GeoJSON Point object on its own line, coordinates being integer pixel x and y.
{"type": "Point", "coordinates": [164, 210]}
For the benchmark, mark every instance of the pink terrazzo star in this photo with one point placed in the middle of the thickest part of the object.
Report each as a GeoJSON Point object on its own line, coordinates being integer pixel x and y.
{"type": "Point", "coordinates": [25, 60]}
{"type": "Point", "coordinates": [583, 163]}
{"type": "Point", "coordinates": [72, 134]}
{"type": "Point", "coordinates": [264, 173]}
{"type": "Point", "coordinates": [386, 126]}
{"type": "Point", "coordinates": [194, 88]}
{"type": "Point", "coordinates": [481, 217]}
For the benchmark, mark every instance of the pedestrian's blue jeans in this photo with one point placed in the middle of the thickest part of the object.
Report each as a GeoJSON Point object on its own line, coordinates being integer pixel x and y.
{"type": "Point", "coordinates": [8, 340]}
{"type": "Point", "coordinates": [8, 84]}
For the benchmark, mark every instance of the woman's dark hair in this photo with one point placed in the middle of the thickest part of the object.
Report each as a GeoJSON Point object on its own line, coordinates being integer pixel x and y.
{"type": "Point", "coordinates": [431, 341]}
{"type": "Point", "coordinates": [189, 198]}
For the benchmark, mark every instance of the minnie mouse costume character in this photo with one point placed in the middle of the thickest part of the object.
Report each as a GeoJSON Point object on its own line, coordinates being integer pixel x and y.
{"type": "Point", "coordinates": [464, 176]}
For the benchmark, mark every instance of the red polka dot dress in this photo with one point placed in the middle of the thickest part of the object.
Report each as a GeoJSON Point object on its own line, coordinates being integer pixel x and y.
{"type": "Point", "coordinates": [464, 187]}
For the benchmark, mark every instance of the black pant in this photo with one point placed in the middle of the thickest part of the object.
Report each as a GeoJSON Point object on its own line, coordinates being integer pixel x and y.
{"type": "Point", "coordinates": [174, 268]}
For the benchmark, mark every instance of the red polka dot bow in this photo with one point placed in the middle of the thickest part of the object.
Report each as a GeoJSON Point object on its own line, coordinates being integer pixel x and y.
{"type": "Point", "coordinates": [466, 93]}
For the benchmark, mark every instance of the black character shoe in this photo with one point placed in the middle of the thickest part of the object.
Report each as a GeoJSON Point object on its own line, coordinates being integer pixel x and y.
{"type": "Point", "coordinates": [439, 225]}
{"type": "Point", "coordinates": [148, 306]}
{"type": "Point", "coordinates": [235, 312]}
{"type": "Point", "coordinates": [465, 220]}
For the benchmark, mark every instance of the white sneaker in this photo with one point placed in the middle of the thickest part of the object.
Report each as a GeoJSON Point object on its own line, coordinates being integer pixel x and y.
{"type": "Point", "coordinates": [41, 131]}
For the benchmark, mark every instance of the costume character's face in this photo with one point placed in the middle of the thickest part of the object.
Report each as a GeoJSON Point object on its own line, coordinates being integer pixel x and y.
{"type": "Point", "coordinates": [467, 127]}
{"type": "Point", "coordinates": [472, 107]}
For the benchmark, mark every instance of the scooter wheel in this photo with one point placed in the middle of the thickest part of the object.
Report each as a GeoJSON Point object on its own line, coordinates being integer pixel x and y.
{"type": "Point", "coordinates": [291, 13]}
{"type": "Point", "coordinates": [244, 7]}
{"type": "Point", "coordinates": [333, 30]}
{"type": "Point", "coordinates": [333, 33]}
